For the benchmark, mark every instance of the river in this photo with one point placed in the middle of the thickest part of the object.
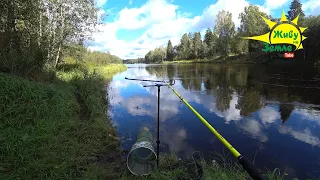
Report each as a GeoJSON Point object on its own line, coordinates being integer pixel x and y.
{"type": "Point", "coordinates": [270, 114]}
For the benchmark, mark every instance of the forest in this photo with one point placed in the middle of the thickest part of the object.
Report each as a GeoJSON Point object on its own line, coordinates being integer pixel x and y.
{"type": "Point", "coordinates": [38, 35]}
{"type": "Point", "coordinates": [225, 40]}
{"type": "Point", "coordinates": [53, 92]}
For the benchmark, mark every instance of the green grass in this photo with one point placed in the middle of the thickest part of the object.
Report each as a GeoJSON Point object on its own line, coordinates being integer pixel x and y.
{"type": "Point", "coordinates": [221, 168]}
{"type": "Point", "coordinates": [108, 71]}
{"type": "Point", "coordinates": [57, 129]}
{"type": "Point", "coordinates": [68, 71]}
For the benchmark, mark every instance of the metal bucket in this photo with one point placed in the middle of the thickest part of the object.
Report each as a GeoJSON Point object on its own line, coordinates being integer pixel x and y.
{"type": "Point", "coordinates": [142, 157]}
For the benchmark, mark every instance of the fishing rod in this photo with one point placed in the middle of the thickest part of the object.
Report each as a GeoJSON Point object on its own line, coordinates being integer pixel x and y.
{"type": "Point", "coordinates": [143, 80]}
{"type": "Point", "coordinates": [245, 163]}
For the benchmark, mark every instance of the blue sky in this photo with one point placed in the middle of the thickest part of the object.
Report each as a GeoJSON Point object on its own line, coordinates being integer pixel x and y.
{"type": "Point", "coordinates": [133, 27]}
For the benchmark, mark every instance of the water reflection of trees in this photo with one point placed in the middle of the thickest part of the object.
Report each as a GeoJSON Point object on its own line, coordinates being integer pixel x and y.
{"type": "Point", "coordinates": [285, 111]}
{"type": "Point", "coordinates": [250, 83]}
{"type": "Point", "coordinates": [249, 102]}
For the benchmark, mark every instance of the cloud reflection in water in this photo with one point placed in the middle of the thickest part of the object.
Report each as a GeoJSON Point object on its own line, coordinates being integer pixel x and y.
{"type": "Point", "coordinates": [122, 94]}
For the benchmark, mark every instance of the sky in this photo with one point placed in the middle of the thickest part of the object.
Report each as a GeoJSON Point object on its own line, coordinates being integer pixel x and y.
{"type": "Point", "coordinates": [134, 27]}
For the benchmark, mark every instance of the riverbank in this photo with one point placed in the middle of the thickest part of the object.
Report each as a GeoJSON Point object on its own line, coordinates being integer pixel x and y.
{"type": "Point", "coordinates": [243, 59]}
{"type": "Point", "coordinates": [234, 59]}
{"type": "Point", "coordinates": [54, 126]}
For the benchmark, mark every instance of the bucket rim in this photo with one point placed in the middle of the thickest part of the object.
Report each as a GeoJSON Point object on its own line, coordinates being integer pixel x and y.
{"type": "Point", "coordinates": [128, 160]}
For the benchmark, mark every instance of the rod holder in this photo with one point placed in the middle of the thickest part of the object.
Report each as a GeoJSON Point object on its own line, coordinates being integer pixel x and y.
{"type": "Point", "coordinates": [155, 85]}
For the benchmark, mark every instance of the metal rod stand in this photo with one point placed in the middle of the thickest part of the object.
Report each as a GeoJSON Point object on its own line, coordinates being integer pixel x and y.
{"type": "Point", "coordinates": [158, 128]}
{"type": "Point", "coordinates": [158, 135]}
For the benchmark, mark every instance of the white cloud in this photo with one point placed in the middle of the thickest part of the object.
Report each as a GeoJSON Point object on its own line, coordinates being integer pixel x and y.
{"type": "Point", "coordinates": [274, 4]}
{"type": "Point", "coordinates": [158, 27]}
{"type": "Point", "coordinates": [231, 114]}
{"type": "Point", "coordinates": [176, 139]}
{"type": "Point", "coordinates": [311, 7]}
{"type": "Point", "coordinates": [304, 136]}
{"type": "Point", "coordinates": [150, 13]}
{"type": "Point", "coordinates": [316, 11]}
{"type": "Point", "coordinates": [207, 19]}
{"type": "Point", "coordinates": [150, 16]}
{"type": "Point", "coordinates": [268, 115]}
{"type": "Point", "coordinates": [100, 3]}
{"type": "Point", "coordinates": [264, 9]}
{"type": "Point", "coordinates": [100, 13]}
{"type": "Point", "coordinates": [308, 114]}
{"type": "Point", "coordinates": [253, 127]}
{"type": "Point", "coordinates": [131, 18]}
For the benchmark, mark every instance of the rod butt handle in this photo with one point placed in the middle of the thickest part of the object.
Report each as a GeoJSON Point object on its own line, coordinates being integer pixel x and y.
{"type": "Point", "coordinates": [252, 170]}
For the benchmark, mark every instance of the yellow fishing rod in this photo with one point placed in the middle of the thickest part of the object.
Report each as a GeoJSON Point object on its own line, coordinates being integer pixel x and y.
{"type": "Point", "coordinates": [246, 164]}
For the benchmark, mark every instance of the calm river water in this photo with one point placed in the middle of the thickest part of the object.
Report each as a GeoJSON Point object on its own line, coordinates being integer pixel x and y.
{"type": "Point", "coordinates": [270, 114]}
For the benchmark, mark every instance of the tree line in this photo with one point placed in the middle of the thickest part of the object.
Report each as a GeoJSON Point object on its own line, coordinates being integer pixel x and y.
{"type": "Point", "coordinates": [38, 34]}
{"type": "Point", "coordinates": [133, 61]}
{"type": "Point", "coordinates": [225, 40]}
{"type": "Point", "coordinates": [79, 53]}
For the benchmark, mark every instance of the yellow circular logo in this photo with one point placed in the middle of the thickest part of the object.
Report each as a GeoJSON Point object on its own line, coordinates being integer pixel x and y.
{"type": "Point", "coordinates": [284, 32]}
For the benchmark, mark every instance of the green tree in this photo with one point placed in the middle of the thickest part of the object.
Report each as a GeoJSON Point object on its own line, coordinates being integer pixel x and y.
{"type": "Point", "coordinates": [176, 50]}
{"type": "Point", "coordinates": [184, 42]}
{"type": "Point", "coordinates": [251, 25]}
{"type": "Point", "coordinates": [20, 43]}
{"type": "Point", "coordinates": [156, 56]}
{"type": "Point", "coordinates": [170, 53]}
{"type": "Point", "coordinates": [225, 29]}
{"type": "Point", "coordinates": [35, 34]}
{"type": "Point", "coordinates": [190, 52]}
{"type": "Point", "coordinates": [238, 44]}
{"type": "Point", "coordinates": [203, 51]}
{"type": "Point", "coordinates": [311, 45]}
{"type": "Point", "coordinates": [210, 39]}
{"type": "Point", "coordinates": [295, 10]}
{"type": "Point", "coordinates": [197, 44]}
{"type": "Point", "coordinates": [148, 57]}
{"type": "Point", "coordinates": [101, 58]}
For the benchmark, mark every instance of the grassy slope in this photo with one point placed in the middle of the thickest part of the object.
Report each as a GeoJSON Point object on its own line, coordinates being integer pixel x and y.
{"type": "Point", "coordinates": [48, 131]}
